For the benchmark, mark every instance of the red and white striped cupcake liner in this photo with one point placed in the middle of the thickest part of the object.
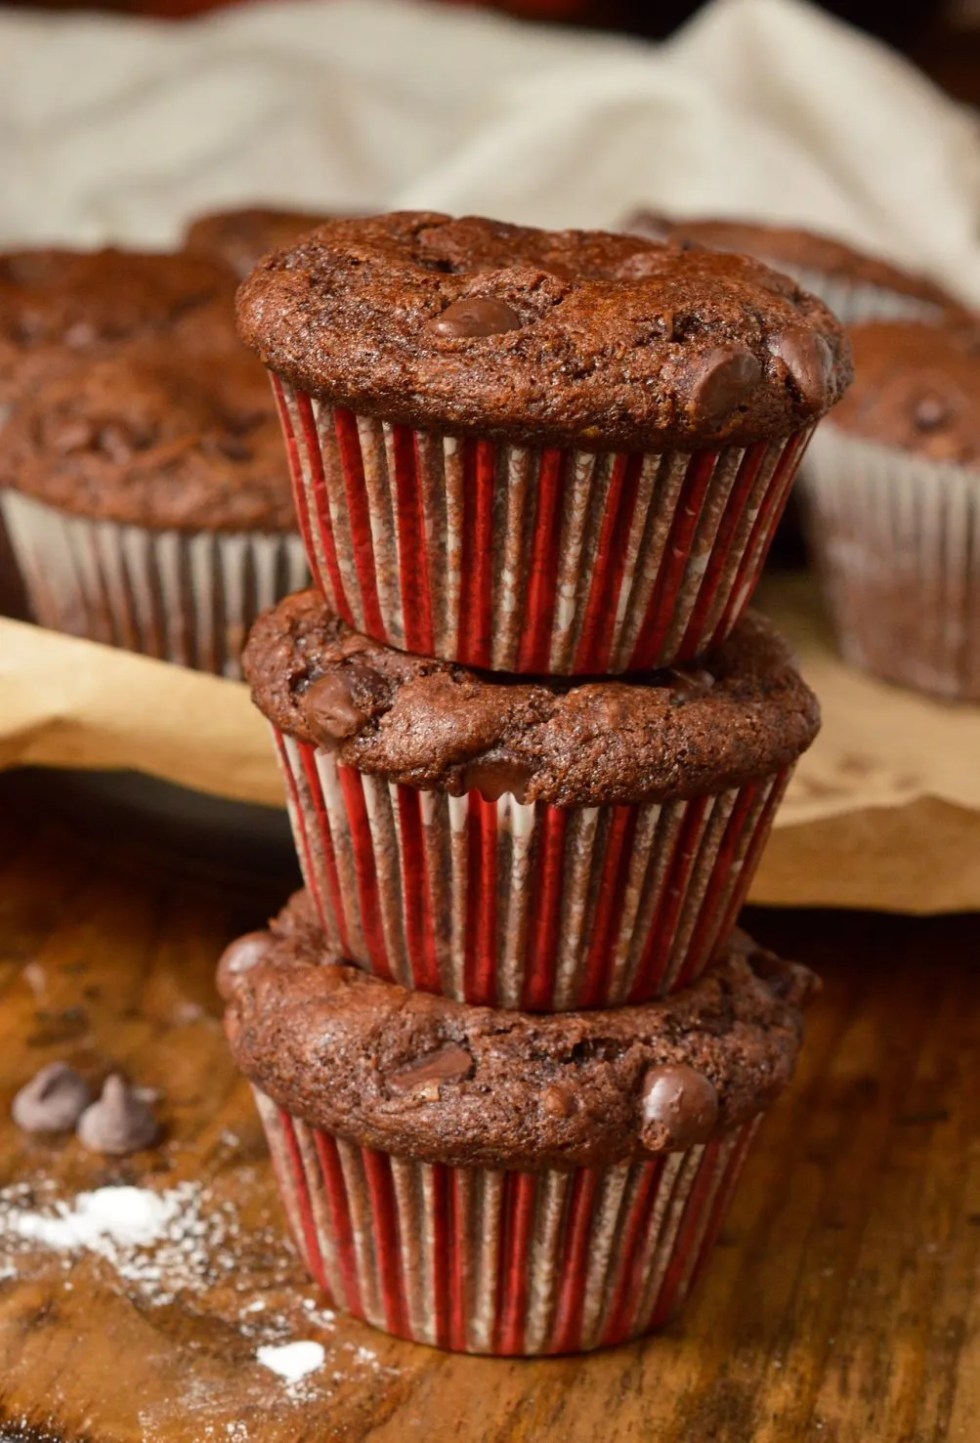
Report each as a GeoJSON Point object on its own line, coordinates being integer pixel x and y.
{"type": "Point", "coordinates": [185, 597]}
{"type": "Point", "coordinates": [505, 904]}
{"type": "Point", "coordinates": [505, 1263]}
{"type": "Point", "coordinates": [525, 560]}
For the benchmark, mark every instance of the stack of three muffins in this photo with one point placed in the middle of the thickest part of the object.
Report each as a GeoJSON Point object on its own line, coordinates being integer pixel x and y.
{"type": "Point", "coordinates": [508, 1050]}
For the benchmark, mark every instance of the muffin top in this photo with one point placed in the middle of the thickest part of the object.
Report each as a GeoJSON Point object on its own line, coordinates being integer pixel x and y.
{"type": "Point", "coordinates": [80, 299]}
{"type": "Point", "coordinates": [154, 438]}
{"type": "Point", "coordinates": [539, 337]}
{"type": "Point", "coordinates": [795, 249]}
{"type": "Point", "coordinates": [240, 238]}
{"type": "Point", "coordinates": [741, 713]}
{"type": "Point", "coordinates": [917, 387]}
{"type": "Point", "coordinates": [428, 1078]}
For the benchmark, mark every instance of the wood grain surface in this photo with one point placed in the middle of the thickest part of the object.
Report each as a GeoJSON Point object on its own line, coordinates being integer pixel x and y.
{"type": "Point", "coordinates": [842, 1305]}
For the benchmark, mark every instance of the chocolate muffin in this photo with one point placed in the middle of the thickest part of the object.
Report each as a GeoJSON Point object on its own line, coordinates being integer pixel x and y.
{"type": "Point", "coordinates": [240, 237]}
{"type": "Point", "coordinates": [148, 500]}
{"type": "Point", "coordinates": [537, 451]}
{"type": "Point", "coordinates": [434, 1127]}
{"type": "Point", "coordinates": [856, 286]}
{"type": "Point", "coordinates": [89, 302]}
{"type": "Point", "coordinates": [894, 500]}
{"type": "Point", "coordinates": [547, 844]}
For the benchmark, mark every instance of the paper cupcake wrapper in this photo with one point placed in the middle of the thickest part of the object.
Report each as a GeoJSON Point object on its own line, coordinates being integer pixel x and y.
{"type": "Point", "coordinates": [507, 1263]}
{"type": "Point", "coordinates": [504, 904]}
{"type": "Point", "coordinates": [530, 561]}
{"type": "Point", "coordinates": [189, 598]}
{"type": "Point", "coordinates": [854, 302]}
{"type": "Point", "coordinates": [897, 541]}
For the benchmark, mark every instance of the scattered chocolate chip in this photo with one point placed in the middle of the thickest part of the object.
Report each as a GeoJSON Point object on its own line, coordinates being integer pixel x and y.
{"type": "Point", "coordinates": [121, 1122]}
{"type": "Point", "coordinates": [558, 1101]}
{"type": "Point", "coordinates": [493, 779]}
{"type": "Point", "coordinates": [330, 710]}
{"type": "Point", "coordinates": [237, 958]}
{"type": "Point", "coordinates": [476, 317]}
{"type": "Point", "coordinates": [449, 1064]}
{"type": "Point", "coordinates": [727, 375]}
{"type": "Point", "coordinates": [53, 1101]}
{"type": "Point", "coordinates": [809, 361]}
{"type": "Point", "coordinates": [680, 1108]}
{"type": "Point", "coordinates": [931, 411]}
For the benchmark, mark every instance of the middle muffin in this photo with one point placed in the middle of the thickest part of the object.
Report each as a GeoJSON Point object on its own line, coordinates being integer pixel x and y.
{"type": "Point", "coordinates": [542, 844]}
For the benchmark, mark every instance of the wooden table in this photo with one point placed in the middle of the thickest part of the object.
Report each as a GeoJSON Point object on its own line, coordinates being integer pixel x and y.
{"type": "Point", "coordinates": [842, 1305]}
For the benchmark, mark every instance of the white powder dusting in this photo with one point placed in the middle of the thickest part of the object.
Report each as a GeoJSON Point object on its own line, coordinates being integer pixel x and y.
{"type": "Point", "coordinates": [100, 1222]}
{"type": "Point", "coordinates": [292, 1361]}
{"type": "Point", "coordinates": [164, 1243]}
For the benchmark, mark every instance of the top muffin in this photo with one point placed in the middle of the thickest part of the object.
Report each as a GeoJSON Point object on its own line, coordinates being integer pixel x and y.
{"type": "Point", "coordinates": [544, 337]}
{"type": "Point", "coordinates": [798, 250]}
{"type": "Point", "coordinates": [917, 388]}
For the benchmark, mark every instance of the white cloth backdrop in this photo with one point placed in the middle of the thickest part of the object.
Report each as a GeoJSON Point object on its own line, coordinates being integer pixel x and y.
{"type": "Point", "coordinates": [118, 128]}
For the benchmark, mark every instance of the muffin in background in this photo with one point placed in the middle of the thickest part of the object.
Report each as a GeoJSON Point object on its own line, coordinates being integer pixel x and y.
{"type": "Point", "coordinates": [499, 1183]}
{"type": "Point", "coordinates": [87, 301]}
{"type": "Point", "coordinates": [892, 490]}
{"type": "Point", "coordinates": [240, 237]}
{"type": "Point", "coordinates": [531, 842]}
{"type": "Point", "coordinates": [147, 499]}
{"type": "Point", "coordinates": [856, 286]}
{"type": "Point", "coordinates": [532, 451]}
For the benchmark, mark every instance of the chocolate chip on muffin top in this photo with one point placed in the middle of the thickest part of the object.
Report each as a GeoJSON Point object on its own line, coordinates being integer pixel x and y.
{"type": "Point", "coordinates": [797, 250]}
{"type": "Point", "coordinates": [741, 713]}
{"type": "Point", "coordinates": [431, 1079]}
{"type": "Point", "coordinates": [918, 388]}
{"type": "Point", "coordinates": [545, 337]}
{"type": "Point", "coordinates": [154, 438]}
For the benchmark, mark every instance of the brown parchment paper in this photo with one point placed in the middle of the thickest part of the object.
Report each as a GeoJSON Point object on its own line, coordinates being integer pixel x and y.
{"type": "Point", "coordinates": [883, 812]}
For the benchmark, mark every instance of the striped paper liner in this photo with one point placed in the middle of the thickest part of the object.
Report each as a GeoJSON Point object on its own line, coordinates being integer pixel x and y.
{"type": "Point", "coordinates": [186, 597]}
{"type": "Point", "coordinates": [506, 904]}
{"type": "Point", "coordinates": [506, 1263]}
{"type": "Point", "coordinates": [897, 540]}
{"type": "Point", "coordinates": [530, 561]}
{"type": "Point", "coordinates": [854, 302]}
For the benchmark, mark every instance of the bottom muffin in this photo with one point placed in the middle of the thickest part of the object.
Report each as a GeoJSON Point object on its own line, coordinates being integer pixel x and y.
{"type": "Point", "coordinates": [500, 1182]}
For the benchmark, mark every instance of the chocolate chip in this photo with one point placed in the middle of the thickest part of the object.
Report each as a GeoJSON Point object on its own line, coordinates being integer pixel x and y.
{"type": "Point", "coordinates": [558, 1101]}
{"type": "Point", "coordinates": [481, 316]}
{"type": "Point", "coordinates": [330, 711]}
{"type": "Point", "coordinates": [725, 377]}
{"type": "Point", "coordinates": [493, 779]}
{"type": "Point", "coordinates": [680, 1108]}
{"type": "Point", "coordinates": [931, 411]}
{"type": "Point", "coordinates": [53, 1101]}
{"type": "Point", "coordinates": [120, 1122]}
{"type": "Point", "coordinates": [238, 958]}
{"type": "Point", "coordinates": [450, 1064]}
{"type": "Point", "coordinates": [809, 361]}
